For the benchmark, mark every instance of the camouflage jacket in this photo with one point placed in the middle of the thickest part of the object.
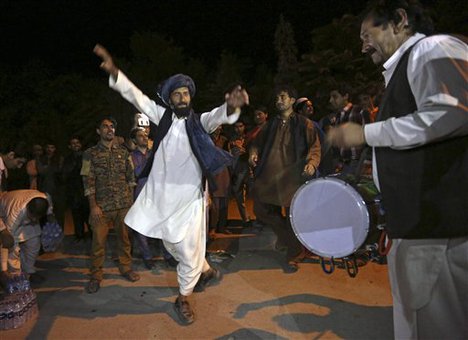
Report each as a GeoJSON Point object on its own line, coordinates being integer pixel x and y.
{"type": "Point", "coordinates": [108, 174]}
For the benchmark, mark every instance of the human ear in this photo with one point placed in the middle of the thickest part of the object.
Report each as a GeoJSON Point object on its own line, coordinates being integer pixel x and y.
{"type": "Point", "coordinates": [403, 24]}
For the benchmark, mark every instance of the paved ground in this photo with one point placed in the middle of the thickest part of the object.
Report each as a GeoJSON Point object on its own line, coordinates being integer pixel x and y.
{"type": "Point", "coordinates": [255, 300]}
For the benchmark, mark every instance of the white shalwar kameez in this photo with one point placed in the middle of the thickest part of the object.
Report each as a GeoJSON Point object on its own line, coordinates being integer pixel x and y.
{"type": "Point", "coordinates": [171, 205]}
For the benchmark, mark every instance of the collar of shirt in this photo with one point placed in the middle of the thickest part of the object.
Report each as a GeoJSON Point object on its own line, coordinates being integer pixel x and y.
{"type": "Point", "coordinates": [113, 145]}
{"type": "Point", "coordinates": [287, 119]}
{"type": "Point", "coordinates": [392, 62]}
{"type": "Point", "coordinates": [138, 152]}
{"type": "Point", "coordinates": [347, 108]}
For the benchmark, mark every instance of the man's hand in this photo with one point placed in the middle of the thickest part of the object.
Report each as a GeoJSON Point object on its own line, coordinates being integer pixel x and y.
{"type": "Point", "coordinates": [253, 159]}
{"type": "Point", "coordinates": [346, 135]}
{"type": "Point", "coordinates": [107, 62]}
{"type": "Point", "coordinates": [309, 170]}
{"type": "Point", "coordinates": [235, 99]}
{"type": "Point", "coordinates": [6, 239]}
{"type": "Point", "coordinates": [95, 215]}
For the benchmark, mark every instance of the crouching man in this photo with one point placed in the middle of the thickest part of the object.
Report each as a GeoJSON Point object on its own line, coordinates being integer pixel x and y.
{"type": "Point", "coordinates": [20, 231]}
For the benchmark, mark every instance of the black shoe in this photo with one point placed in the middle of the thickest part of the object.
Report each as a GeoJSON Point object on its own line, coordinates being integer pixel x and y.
{"type": "Point", "coordinates": [184, 311]}
{"type": "Point", "coordinates": [93, 286]}
{"type": "Point", "coordinates": [78, 239]}
{"type": "Point", "coordinates": [131, 276]}
{"type": "Point", "coordinates": [291, 267]}
{"type": "Point", "coordinates": [210, 277]}
{"type": "Point", "coordinates": [171, 262]}
{"type": "Point", "coordinates": [257, 224]}
{"type": "Point", "coordinates": [149, 263]}
{"type": "Point", "coordinates": [36, 278]}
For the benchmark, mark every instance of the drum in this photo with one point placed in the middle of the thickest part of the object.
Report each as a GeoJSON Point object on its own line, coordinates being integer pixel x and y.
{"type": "Point", "coordinates": [332, 217]}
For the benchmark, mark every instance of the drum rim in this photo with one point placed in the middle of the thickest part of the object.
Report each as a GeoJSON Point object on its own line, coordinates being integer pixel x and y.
{"type": "Point", "coordinates": [358, 196]}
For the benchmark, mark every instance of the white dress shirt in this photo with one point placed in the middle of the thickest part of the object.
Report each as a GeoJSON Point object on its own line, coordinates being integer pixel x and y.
{"type": "Point", "coordinates": [441, 109]}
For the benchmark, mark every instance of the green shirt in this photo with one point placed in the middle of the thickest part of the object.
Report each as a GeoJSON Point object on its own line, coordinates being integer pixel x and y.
{"type": "Point", "coordinates": [108, 174]}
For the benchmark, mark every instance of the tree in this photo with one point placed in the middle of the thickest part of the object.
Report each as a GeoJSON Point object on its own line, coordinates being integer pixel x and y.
{"type": "Point", "coordinates": [286, 50]}
{"type": "Point", "coordinates": [336, 57]}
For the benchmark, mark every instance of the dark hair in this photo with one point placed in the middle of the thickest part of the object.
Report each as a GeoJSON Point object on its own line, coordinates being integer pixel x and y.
{"type": "Point", "coordinates": [78, 137]}
{"type": "Point", "coordinates": [103, 118]}
{"type": "Point", "coordinates": [38, 207]}
{"type": "Point", "coordinates": [19, 150]}
{"type": "Point", "coordinates": [299, 106]}
{"type": "Point", "coordinates": [343, 89]}
{"type": "Point", "coordinates": [290, 90]}
{"type": "Point", "coordinates": [262, 109]}
{"type": "Point", "coordinates": [50, 141]}
{"type": "Point", "coordinates": [134, 132]}
{"type": "Point", "coordinates": [383, 12]}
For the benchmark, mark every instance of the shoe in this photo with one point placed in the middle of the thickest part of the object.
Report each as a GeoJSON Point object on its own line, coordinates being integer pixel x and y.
{"type": "Point", "coordinates": [184, 311]}
{"type": "Point", "coordinates": [291, 267]}
{"type": "Point", "coordinates": [171, 262]}
{"type": "Point", "coordinates": [36, 278]}
{"type": "Point", "coordinates": [93, 286]}
{"type": "Point", "coordinates": [149, 263]}
{"type": "Point", "coordinates": [210, 277]}
{"type": "Point", "coordinates": [257, 224]}
{"type": "Point", "coordinates": [131, 276]}
{"type": "Point", "coordinates": [280, 247]}
{"type": "Point", "coordinates": [78, 239]}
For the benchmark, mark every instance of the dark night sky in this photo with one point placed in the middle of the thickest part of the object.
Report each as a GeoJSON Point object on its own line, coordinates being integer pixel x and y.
{"type": "Point", "coordinates": [61, 33]}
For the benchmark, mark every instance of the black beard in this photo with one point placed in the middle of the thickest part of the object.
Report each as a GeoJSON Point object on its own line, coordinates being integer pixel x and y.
{"type": "Point", "coordinates": [182, 111]}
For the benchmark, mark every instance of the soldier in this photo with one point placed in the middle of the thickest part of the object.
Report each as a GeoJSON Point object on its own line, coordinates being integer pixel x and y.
{"type": "Point", "coordinates": [108, 181]}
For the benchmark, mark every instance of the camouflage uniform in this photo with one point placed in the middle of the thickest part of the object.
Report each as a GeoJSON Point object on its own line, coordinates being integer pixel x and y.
{"type": "Point", "coordinates": [108, 174]}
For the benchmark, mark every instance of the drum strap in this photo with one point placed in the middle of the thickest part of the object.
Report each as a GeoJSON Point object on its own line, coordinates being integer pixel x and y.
{"type": "Point", "coordinates": [358, 173]}
{"type": "Point", "coordinates": [384, 248]}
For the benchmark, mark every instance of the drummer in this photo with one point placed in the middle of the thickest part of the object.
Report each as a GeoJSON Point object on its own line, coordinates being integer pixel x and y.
{"type": "Point", "coordinates": [420, 140]}
{"type": "Point", "coordinates": [284, 155]}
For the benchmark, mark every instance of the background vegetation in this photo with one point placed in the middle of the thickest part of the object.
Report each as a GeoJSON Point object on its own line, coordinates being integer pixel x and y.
{"type": "Point", "coordinates": [37, 104]}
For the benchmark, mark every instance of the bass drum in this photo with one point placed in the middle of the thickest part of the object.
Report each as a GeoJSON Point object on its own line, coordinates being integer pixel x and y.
{"type": "Point", "coordinates": [332, 217]}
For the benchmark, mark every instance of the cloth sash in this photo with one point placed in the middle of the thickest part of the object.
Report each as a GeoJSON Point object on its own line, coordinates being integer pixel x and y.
{"type": "Point", "coordinates": [211, 159]}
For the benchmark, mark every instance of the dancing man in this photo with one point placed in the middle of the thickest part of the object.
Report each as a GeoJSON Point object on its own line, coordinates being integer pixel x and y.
{"type": "Point", "coordinates": [171, 204]}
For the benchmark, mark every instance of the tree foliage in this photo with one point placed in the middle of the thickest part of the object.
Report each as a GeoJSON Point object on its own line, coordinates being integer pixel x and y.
{"type": "Point", "coordinates": [336, 57]}
{"type": "Point", "coordinates": [286, 50]}
{"type": "Point", "coordinates": [37, 105]}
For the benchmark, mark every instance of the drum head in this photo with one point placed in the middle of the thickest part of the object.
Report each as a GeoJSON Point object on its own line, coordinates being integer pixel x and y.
{"type": "Point", "coordinates": [329, 217]}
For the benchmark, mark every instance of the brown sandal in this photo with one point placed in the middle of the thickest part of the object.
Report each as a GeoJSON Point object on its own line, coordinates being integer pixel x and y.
{"type": "Point", "coordinates": [183, 310]}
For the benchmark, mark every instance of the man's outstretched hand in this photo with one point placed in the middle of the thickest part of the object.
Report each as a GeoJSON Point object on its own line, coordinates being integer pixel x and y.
{"type": "Point", "coordinates": [237, 98]}
{"type": "Point", "coordinates": [107, 62]}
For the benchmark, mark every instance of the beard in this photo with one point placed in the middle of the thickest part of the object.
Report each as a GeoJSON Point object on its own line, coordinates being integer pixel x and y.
{"type": "Point", "coordinates": [182, 111]}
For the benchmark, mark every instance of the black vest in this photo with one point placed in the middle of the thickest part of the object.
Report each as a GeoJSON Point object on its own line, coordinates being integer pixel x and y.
{"type": "Point", "coordinates": [424, 189]}
{"type": "Point", "coordinates": [298, 137]}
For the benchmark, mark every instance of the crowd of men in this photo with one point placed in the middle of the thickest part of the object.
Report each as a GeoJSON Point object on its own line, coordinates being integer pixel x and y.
{"type": "Point", "coordinates": [418, 136]}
